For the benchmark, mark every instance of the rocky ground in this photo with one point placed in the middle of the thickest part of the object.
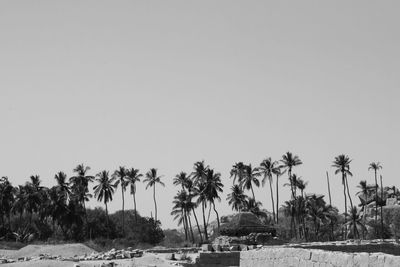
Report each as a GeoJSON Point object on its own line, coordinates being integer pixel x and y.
{"type": "Point", "coordinates": [80, 255]}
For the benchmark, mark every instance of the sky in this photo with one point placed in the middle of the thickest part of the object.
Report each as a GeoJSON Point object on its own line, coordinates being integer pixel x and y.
{"type": "Point", "coordinates": [164, 84]}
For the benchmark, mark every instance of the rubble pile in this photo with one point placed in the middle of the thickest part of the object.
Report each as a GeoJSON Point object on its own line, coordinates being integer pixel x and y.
{"type": "Point", "coordinates": [112, 254]}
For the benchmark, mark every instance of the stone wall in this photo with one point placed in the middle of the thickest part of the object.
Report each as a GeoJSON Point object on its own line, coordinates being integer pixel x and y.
{"type": "Point", "coordinates": [285, 256]}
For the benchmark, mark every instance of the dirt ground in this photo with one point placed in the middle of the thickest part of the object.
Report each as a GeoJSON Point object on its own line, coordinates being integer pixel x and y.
{"type": "Point", "coordinates": [70, 250]}
{"type": "Point", "coordinates": [148, 260]}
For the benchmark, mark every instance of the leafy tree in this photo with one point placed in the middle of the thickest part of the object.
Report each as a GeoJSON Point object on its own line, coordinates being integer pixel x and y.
{"type": "Point", "coordinates": [7, 192]}
{"type": "Point", "coordinates": [152, 179]}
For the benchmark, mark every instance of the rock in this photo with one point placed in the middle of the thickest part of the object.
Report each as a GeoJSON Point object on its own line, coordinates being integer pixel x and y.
{"type": "Point", "coordinates": [206, 247]}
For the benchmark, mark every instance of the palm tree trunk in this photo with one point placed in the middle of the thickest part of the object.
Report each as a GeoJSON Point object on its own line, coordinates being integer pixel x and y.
{"type": "Point", "coordinates": [216, 213]}
{"type": "Point", "coordinates": [272, 198]}
{"type": "Point", "coordinates": [134, 205]}
{"type": "Point", "coordinates": [190, 227]}
{"type": "Point", "coordinates": [381, 208]}
{"type": "Point", "coordinates": [108, 222]}
{"type": "Point", "coordinates": [345, 204]}
{"type": "Point", "coordinates": [291, 183]}
{"type": "Point", "coordinates": [364, 217]}
{"type": "Point", "coordinates": [204, 222]}
{"type": "Point", "coordinates": [198, 226]}
{"type": "Point", "coordinates": [376, 200]}
{"type": "Point", "coordinates": [209, 213]}
{"type": "Point", "coordinates": [252, 191]}
{"type": "Point", "coordinates": [348, 193]}
{"type": "Point", "coordinates": [123, 211]}
{"type": "Point", "coordinates": [185, 224]}
{"type": "Point", "coordinates": [277, 199]}
{"type": "Point", "coordinates": [155, 203]}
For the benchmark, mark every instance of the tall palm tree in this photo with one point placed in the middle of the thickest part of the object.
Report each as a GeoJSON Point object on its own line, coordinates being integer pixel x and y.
{"type": "Point", "coordinates": [288, 162]}
{"type": "Point", "coordinates": [375, 166]}
{"type": "Point", "coordinates": [120, 176]}
{"type": "Point", "coordinates": [182, 207]}
{"type": "Point", "coordinates": [63, 185]}
{"type": "Point", "coordinates": [342, 165]}
{"type": "Point", "coordinates": [237, 171]}
{"type": "Point", "coordinates": [199, 192]}
{"type": "Point", "coordinates": [269, 168]}
{"type": "Point", "coordinates": [80, 185]}
{"type": "Point", "coordinates": [152, 179]}
{"type": "Point", "coordinates": [278, 173]}
{"type": "Point", "coordinates": [133, 176]}
{"type": "Point", "coordinates": [237, 198]}
{"type": "Point", "coordinates": [250, 175]}
{"type": "Point", "coordinates": [104, 190]}
{"type": "Point", "coordinates": [212, 190]}
{"type": "Point", "coordinates": [181, 179]}
{"type": "Point", "coordinates": [199, 172]}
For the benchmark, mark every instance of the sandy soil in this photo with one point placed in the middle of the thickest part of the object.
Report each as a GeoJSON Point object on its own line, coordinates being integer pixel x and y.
{"type": "Point", "coordinates": [70, 250]}
{"type": "Point", "coordinates": [64, 250]}
{"type": "Point", "coordinates": [148, 260]}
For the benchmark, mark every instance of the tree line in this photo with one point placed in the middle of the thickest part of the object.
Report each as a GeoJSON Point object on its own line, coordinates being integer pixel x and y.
{"type": "Point", "coordinates": [307, 216]}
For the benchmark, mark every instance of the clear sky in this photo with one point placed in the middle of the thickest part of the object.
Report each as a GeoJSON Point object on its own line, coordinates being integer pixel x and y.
{"type": "Point", "coordinates": [166, 83]}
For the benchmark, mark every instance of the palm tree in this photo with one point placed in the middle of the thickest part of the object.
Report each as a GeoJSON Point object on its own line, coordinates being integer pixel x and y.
{"type": "Point", "coordinates": [120, 176]}
{"type": "Point", "coordinates": [250, 175]}
{"type": "Point", "coordinates": [181, 179]}
{"type": "Point", "coordinates": [133, 176]}
{"type": "Point", "coordinates": [199, 192]}
{"type": "Point", "coordinates": [253, 206]}
{"type": "Point", "coordinates": [342, 165]}
{"type": "Point", "coordinates": [237, 198]}
{"type": "Point", "coordinates": [199, 172]}
{"type": "Point", "coordinates": [375, 166]}
{"type": "Point", "coordinates": [301, 185]}
{"type": "Point", "coordinates": [289, 161]}
{"type": "Point", "coordinates": [355, 222]}
{"type": "Point", "coordinates": [63, 185]}
{"type": "Point", "coordinates": [269, 168]}
{"type": "Point", "coordinates": [152, 179]}
{"type": "Point", "coordinates": [104, 190]}
{"type": "Point", "coordinates": [212, 189]}
{"type": "Point", "coordinates": [181, 210]}
{"type": "Point", "coordinates": [278, 172]}
{"type": "Point", "coordinates": [80, 185]}
{"type": "Point", "coordinates": [237, 171]}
